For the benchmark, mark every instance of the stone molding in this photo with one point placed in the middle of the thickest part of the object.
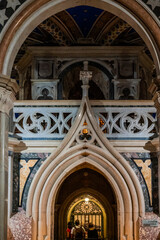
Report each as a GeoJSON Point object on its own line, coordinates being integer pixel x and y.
{"type": "Point", "coordinates": [8, 89]}
{"type": "Point", "coordinates": [155, 144]}
{"type": "Point", "coordinates": [154, 89]}
{"type": "Point", "coordinates": [156, 99]}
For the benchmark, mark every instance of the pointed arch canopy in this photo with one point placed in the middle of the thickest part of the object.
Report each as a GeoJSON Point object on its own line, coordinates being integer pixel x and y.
{"type": "Point", "coordinates": [75, 152]}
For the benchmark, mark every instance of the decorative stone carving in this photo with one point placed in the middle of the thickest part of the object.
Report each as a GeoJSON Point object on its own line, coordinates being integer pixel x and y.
{"type": "Point", "coordinates": [128, 122]}
{"type": "Point", "coordinates": [8, 89]}
{"type": "Point", "coordinates": [54, 122]}
{"type": "Point", "coordinates": [85, 76]}
{"type": "Point", "coordinates": [44, 89]}
{"type": "Point", "coordinates": [154, 89]}
{"type": "Point", "coordinates": [125, 89]}
{"type": "Point", "coordinates": [49, 122]}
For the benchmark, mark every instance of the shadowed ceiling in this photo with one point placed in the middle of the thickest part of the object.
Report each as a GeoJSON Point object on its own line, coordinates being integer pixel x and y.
{"type": "Point", "coordinates": [83, 25]}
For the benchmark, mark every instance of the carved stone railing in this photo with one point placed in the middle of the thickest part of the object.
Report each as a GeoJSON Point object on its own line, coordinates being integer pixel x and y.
{"type": "Point", "coordinates": [43, 122]}
{"type": "Point", "coordinates": [117, 121]}
{"type": "Point", "coordinates": [127, 122]}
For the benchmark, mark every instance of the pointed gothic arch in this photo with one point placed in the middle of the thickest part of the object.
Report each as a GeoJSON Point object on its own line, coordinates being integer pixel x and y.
{"type": "Point", "coordinates": [96, 152]}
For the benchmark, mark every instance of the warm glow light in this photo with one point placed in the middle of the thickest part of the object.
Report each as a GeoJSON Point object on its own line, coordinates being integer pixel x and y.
{"type": "Point", "coordinates": [85, 123]}
{"type": "Point", "coordinates": [101, 123]}
{"type": "Point", "coordinates": [86, 199]}
{"type": "Point", "coordinates": [85, 131]}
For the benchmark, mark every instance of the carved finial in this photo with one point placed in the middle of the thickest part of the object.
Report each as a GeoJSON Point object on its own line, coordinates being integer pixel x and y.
{"type": "Point", "coordinates": [85, 76]}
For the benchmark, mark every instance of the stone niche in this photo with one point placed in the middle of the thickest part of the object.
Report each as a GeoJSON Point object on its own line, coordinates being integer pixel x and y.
{"type": "Point", "coordinates": [43, 82]}
{"type": "Point", "coordinates": [126, 82]}
{"type": "Point", "coordinates": [44, 89]}
{"type": "Point", "coordinates": [125, 89]}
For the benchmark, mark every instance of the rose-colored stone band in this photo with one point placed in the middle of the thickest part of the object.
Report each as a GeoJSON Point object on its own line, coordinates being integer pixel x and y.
{"type": "Point", "coordinates": [17, 22]}
{"type": "Point", "coordinates": [144, 16]}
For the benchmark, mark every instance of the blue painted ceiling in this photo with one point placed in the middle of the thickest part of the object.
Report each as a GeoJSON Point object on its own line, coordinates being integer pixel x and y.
{"type": "Point", "coordinates": [85, 17]}
{"type": "Point", "coordinates": [78, 26]}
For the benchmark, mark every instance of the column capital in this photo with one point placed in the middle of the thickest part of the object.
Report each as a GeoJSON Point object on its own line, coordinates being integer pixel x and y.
{"type": "Point", "coordinates": [8, 89]}
{"type": "Point", "coordinates": [85, 76]}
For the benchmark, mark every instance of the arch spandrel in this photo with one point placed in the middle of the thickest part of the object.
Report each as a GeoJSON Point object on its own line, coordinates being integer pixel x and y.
{"type": "Point", "coordinates": [151, 7]}
{"type": "Point", "coordinates": [77, 149]}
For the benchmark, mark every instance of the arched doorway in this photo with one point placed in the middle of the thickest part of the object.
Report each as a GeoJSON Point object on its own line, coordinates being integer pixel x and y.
{"type": "Point", "coordinates": [86, 195]}
{"type": "Point", "coordinates": [76, 153]}
{"type": "Point", "coordinates": [10, 44]}
{"type": "Point", "coordinates": [88, 210]}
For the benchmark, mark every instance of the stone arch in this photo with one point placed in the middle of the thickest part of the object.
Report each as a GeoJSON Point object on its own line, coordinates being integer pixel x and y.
{"type": "Point", "coordinates": [71, 156]}
{"type": "Point", "coordinates": [105, 68]}
{"type": "Point", "coordinates": [35, 12]}
{"type": "Point", "coordinates": [99, 62]}
{"type": "Point", "coordinates": [127, 197]}
{"type": "Point", "coordinates": [97, 195]}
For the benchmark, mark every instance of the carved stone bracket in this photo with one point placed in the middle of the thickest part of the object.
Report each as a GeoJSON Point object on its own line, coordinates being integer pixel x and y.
{"type": "Point", "coordinates": [156, 99]}
{"type": "Point", "coordinates": [154, 89]}
{"type": "Point", "coordinates": [8, 89]}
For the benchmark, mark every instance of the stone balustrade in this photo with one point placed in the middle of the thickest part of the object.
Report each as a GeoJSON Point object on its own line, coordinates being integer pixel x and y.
{"type": "Point", "coordinates": [53, 119]}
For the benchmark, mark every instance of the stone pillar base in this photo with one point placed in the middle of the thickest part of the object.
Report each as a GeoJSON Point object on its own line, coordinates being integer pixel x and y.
{"type": "Point", "coordinates": [149, 227]}
{"type": "Point", "coordinates": [22, 230]}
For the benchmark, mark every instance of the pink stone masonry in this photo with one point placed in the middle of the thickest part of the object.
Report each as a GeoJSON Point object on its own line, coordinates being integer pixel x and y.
{"type": "Point", "coordinates": [20, 227]}
{"type": "Point", "coordinates": [148, 232]}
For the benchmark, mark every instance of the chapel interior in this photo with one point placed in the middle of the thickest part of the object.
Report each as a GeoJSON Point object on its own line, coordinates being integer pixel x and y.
{"type": "Point", "coordinates": [83, 63]}
{"type": "Point", "coordinates": [82, 32]}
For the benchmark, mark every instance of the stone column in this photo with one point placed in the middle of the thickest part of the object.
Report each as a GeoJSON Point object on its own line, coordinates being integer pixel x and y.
{"type": "Point", "coordinates": [85, 76]}
{"type": "Point", "coordinates": [154, 89]}
{"type": "Point", "coordinates": [8, 89]}
{"type": "Point", "coordinates": [22, 78]}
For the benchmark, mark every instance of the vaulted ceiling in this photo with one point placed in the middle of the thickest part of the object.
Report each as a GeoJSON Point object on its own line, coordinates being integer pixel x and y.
{"type": "Point", "coordinates": [83, 25]}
